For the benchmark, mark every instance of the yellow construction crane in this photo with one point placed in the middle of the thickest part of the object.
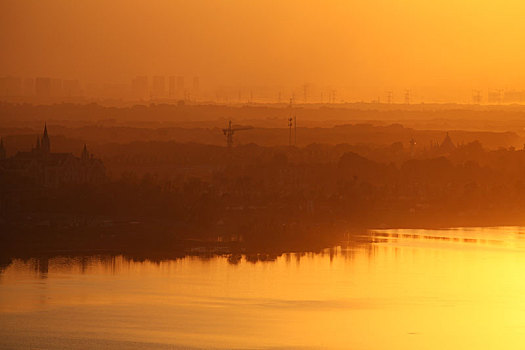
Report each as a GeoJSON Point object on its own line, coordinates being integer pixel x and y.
{"type": "Point", "coordinates": [228, 132]}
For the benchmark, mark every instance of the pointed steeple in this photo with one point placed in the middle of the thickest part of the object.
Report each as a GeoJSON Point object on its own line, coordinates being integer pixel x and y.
{"type": "Point", "coordinates": [447, 145]}
{"type": "Point", "coordinates": [85, 153]}
{"type": "Point", "coordinates": [45, 144]}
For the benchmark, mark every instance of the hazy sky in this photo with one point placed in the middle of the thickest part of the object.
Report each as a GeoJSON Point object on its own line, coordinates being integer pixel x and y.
{"type": "Point", "coordinates": [435, 46]}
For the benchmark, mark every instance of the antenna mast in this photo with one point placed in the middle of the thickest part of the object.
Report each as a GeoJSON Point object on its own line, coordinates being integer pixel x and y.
{"type": "Point", "coordinates": [292, 122]}
{"type": "Point", "coordinates": [290, 127]}
{"type": "Point", "coordinates": [295, 128]}
{"type": "Point", "coordinates": [229, 135]}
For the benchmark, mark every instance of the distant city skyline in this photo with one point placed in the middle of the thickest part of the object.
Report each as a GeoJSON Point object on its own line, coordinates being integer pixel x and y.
{"type": "Point", "coordinates": [440, 51]}
{"type": "Point", "coordinates": [190, 88]}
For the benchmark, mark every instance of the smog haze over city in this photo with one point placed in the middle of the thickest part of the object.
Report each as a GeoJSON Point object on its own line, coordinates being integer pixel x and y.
{"type": "Point", "coordinates": [230, 174]}
{"type": "Point", "coordinates": [442, 50]}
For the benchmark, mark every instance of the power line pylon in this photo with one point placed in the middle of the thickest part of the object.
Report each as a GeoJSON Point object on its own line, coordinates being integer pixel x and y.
{"type": "Point", "coordinates": [389, 97]}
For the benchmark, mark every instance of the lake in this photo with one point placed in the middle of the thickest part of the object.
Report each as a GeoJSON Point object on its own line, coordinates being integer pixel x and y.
{"type": "Point", "coordinates": [460, 288]}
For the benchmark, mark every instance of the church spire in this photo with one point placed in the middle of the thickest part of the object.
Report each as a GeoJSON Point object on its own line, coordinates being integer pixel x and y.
{"type": "Point", "coordinates": [85, 154]}
{"type": "Point", "coordinates": [45, 144]}
{"type": "Point", "coordinates": [447, 145]}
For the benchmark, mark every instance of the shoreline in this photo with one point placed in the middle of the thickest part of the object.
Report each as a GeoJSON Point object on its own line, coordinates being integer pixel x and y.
{"type": "Point", "coordinates": [166, 247]}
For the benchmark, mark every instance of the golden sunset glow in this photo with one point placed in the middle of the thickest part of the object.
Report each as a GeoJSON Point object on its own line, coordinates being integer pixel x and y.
{"type": "Point", "coordinates": [262, 174]}
{"type": "Point", "coordinates": [441, 50]}
{"type": "Point", "coordinates": [393, 294]}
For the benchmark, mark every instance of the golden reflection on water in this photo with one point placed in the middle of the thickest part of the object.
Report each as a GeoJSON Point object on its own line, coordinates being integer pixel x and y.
{"type": "Point", "coordinates": [408, 289]}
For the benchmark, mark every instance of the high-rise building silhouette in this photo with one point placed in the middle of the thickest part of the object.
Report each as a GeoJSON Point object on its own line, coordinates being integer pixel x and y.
{"type": "Point", "coordinates": [43, 87]}
{"type": "Point", "coordinates": [28, 88]}
{"type": "Point", "coordinates": [180, 87]}
{"type": "Point", "coordinates": [158, 87]}
{"type": "Point", "coordinates": [196, 87]}
{"type": "Point", "coordinates": [71, 88]}
{"type": "Point", "coordinates": [57, 89]}
{"type": "Point", "coordinates": [10, 86]}
{"type": "Point", "coordinates": [140, 87]}
{"type": "Point", "coordinates": [172, 87]}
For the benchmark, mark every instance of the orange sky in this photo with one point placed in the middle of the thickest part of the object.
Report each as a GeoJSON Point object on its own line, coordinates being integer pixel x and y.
{"type": "Point", "coordinates": [439, 48]}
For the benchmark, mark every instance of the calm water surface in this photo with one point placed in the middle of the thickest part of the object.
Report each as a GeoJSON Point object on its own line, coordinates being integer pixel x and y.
{"type": "Point", "coordinates": [407, 289]}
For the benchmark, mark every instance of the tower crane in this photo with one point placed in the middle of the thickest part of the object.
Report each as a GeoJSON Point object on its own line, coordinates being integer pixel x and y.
{"type": "Point", "coordinates": [228, 132]}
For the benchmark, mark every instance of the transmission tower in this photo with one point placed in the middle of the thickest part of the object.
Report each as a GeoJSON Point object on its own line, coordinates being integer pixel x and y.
{"type": "Point", "coordinates": [389, 97]}
{"type": "Point", "coordinates": [305, 92]}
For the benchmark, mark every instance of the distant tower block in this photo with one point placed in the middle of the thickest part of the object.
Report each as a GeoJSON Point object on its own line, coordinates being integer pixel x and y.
{"type": "Point", "coordinates": [158, 88]}
{"type": "Point", "coordinates": [10, 86]}
{"type": "Point", "coordinates": [140, 87]}
{"type": "Point", "coordinates": [56, 88]}
{"type": "Point", "coordinates": [172, 87]}
{"type": "Point", "coordinates": [407, 97]}
{"type": "Point", "coordinates": [494, 96]}
{"type": "Point", "coordinates": [389, 97]}
{"type": "Point", "coordinates": [71, 88]}
{"type": "Point", "coordinates": [476, 97]}
{"type": "Point", "coordinates": [43, 87]}
{"type": "Point", "coordinates": [29, 87]}
{"type": "Point", "coordinates": [196, 86]}
{"type": "Point", "coordinates": [180, 87]}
